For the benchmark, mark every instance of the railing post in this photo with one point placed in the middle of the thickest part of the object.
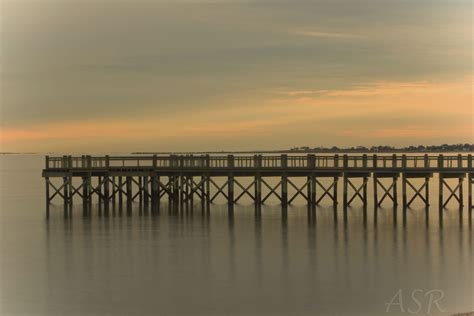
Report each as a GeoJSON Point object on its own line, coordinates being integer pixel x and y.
{"type": "Point", "coordinates": [255, 162]}
{"type": "Point", "coordinates": [284, 161]}
{"type": "Point", "coordinates": [440, 161]}
{"type": "Point", "coordinates": [364, 160]}
{"type": "Point", "coordinates": [469, 161]}
{"type": "Point", "coordinates": [311, 161]}
{"type": "Point", "coordinates": [89, 161]}
{"type": "Point", "coordinates": [230, 161]}
{"type": "Point", "coordinates": [69, 161]}
{"type": "Point", "coordinates": [336, 161]}
{"type": "Point", "coordinates": [345, 161]}
{"type": "Point", "coordinates": [404, 161]}
{"type": "Point", "coordinates": [394, 161]}
{"type": "Point", "coordinates": [374, 161]}
{"type": "Point", "coordinates": [154, 161]}
{"type": "Point", "coordinates": [426, 160]}
{"type": "Point", "coordinates": [107, 161]}
{"type": "Point", "coordinates": [46, 162]}
{"type": "Point", "coordinates": [208, 161]}
{"type": "Point", "coordinates": [459, 161]}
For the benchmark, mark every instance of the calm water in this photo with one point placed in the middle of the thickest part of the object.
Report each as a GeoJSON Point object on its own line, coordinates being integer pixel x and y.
{"type": "Point", "coordinates": [215, 264]}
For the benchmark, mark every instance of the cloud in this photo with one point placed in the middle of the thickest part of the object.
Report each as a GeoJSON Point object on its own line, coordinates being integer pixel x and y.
{"type": "Point", "coordinates": [322, 34]}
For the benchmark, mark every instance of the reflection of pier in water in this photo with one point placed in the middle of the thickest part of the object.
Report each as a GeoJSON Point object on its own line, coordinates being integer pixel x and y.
{"type": "Point", "coordinates": [181, 179]}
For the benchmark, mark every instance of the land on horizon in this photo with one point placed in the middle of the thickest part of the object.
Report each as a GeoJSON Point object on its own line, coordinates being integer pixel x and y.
{"type": "Point", "coordinates": [358, 149]}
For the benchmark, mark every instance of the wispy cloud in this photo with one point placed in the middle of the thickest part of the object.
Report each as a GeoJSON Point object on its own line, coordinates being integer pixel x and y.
{"type": "Point", "coordinates": [324, 34]}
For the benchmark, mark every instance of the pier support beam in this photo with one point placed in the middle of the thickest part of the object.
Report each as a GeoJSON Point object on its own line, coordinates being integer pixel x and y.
{"type": "Point", "coordinates": [120, 193]}
{"type": "Point", "coordinates": [284, 193]}
{"type": "Point", "coordinates": [66, 194]}
{"type": "Point", "coordinates": [301, 190]}
{"type": "Point", "coordinates": [106, 194]}
{"type": "Point", "coordinates": [48, 196]}
{"type": "Point", "coordinates": [417, 191]}
{"type": "Point", "coordinates": [454, 192]}
{"type": "Point", "coordinates": [230, 191]}
{"type": "Point", "coordinates": [387, 191]}
{"type": "Point", "coordinates": [358, 191]}
{"type": "Point", "coordinates": [128, 180]}
{"type": "Point", "coordinates": [328, 191]}
{"type": "Point", "coordinates": [258, 192]}
{"type": "Point", "coordinates": [470, 184]}
{"type": "Point", "coordinates": [85, 195]}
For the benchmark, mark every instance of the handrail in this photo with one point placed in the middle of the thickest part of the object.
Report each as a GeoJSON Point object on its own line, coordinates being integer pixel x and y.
{"type": "Point", "coordinates": [310, 161]}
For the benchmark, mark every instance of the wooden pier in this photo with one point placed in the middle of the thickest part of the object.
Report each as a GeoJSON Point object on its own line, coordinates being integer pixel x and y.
{"type": "Point", "coordinates": [182, 179]}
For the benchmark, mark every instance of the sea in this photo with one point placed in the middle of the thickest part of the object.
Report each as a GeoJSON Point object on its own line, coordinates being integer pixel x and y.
{"type": "Point", "coordinates": [216, 262]}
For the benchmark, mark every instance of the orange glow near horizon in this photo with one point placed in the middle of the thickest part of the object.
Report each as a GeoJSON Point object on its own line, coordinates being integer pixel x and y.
{"type": "Point", "coordinates": [431, 106]}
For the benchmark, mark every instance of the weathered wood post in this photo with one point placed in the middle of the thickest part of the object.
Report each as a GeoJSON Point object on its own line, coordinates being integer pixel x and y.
{"type": "Point", "coordinates": [312, 180]}
{"type": "Point", "coordinates": [208, 183]}
{"type": "Point", "coordinates": [404, 184]}
{"type": "Point", "coordinates": [85, 194]}
{"type": "Point", "coordinates": [336, 180]}
{"type": "Point", "coordinates": [120, 192]}
{"type": "Point", "coordinates": [158, 192]}
{"type": "Point", "coordinates": [128, 184]}
{"type": "Point", "coordinates": [257, 161]}
{"type": "Point", "coordinates": [146, 192]}
{"type": "Point", "coordinates": [106, 185]}
{"type": "Point", "coordinates": [66, 194]}
{"type": "Point", "coordinates": [140, 193]}
{"type": "Point", "coordinates": [46, 179]}
{"type": "Point", "coordinates": [230, 181]}
{"type": "Point", "coordinates": [113, 194]}
{"type": "Point", "coordinates": [441, 181]}
{"type": "Point", "coordinates": [375, 181]}
{"type": "Point", "coordinates": [395, 191]}
{"type": "Point", "coordinates": [470, 179]}
{"type": "Point", "coordinates": [284, 182]}
{"type": "Point", "coordinates": [345, 184]}
{"type": "Point", "coordinates": [365, 180]}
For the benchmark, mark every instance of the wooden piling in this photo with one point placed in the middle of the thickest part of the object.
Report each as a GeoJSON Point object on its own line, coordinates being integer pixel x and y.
{"type": "Point", "coordinates": [284, 192]}
{"type": "Point", "coordinates": [65, 193]}
{"type": "Point", "coordinates": [258, 190]}
{"type": "Point", "coordinates": [128, 184]}
{"type": "Point", "coordinates": [336, 181]}
{"type": "Point", "coordinates": [106, 194]}
{"type": "Point", "coordinates": [85, 194]}
{"type": "Point", "coordinates": [48, 196]}
{"type": "Point", "coordinates": [375, 184]}
{"type": "Point", "coordinates": [470, 179]}
{"type": "Point", "coordinates": [404, 190]}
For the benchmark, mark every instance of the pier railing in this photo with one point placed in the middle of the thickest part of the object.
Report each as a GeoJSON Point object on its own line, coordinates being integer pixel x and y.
{"type": "Point", "coordinates": [310, 161]}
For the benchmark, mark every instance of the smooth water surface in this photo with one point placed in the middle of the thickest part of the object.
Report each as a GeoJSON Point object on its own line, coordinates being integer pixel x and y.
{"type": "Point", "coordinates": [216, 264]}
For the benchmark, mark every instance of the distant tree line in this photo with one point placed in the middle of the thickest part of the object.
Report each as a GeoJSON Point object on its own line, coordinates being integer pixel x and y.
{"type": "Point", "coordinates": [419, 148]}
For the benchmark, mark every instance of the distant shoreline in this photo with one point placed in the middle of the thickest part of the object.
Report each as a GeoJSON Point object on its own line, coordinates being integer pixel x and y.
{"type": "Point", "coordinates": [294, 152]}
{"type": "Point", "coordinates": [444, 148]}
{"type": "Point", "coordinates": [421, 149]}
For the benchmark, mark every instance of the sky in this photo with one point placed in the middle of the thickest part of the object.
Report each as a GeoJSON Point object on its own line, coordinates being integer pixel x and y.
{"type": "Point", "coordinates": [116, 76]}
